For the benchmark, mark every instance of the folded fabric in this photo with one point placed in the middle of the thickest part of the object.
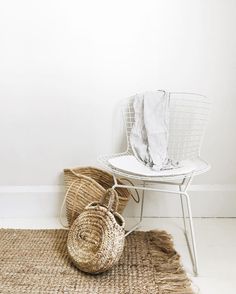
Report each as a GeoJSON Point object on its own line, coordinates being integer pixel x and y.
{"type": "Point", "coordinates": [149, 135]}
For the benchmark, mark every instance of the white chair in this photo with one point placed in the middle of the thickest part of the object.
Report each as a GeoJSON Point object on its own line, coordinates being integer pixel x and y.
{"type": "Point", "coordinates": [187, 121]}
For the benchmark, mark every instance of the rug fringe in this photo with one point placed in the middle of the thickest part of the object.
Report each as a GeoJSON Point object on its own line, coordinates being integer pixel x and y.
{"type": "Point", "coordinates": [165, 260]}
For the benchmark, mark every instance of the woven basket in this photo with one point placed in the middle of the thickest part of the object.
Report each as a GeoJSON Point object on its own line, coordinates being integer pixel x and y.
{"type": "Point", "coordinates": [96, 238]}
{"type": "Point", "coordinates": [88, 184]}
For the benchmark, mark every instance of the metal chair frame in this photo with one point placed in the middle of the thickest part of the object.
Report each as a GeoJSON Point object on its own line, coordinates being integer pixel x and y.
{"type": "Point", "coordinates": [188, 117]}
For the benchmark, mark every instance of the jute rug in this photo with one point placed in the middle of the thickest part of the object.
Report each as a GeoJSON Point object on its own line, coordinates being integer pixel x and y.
{"type": "Point", "coordinates": [36, 261]}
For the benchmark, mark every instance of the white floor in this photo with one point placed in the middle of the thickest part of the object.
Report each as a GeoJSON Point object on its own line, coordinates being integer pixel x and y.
{"type": "Point", "coordinates": [216, 242]}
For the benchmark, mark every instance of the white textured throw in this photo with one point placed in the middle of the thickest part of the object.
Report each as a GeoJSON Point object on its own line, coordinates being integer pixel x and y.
{"type": "Point", "coordinates": [149, 135]}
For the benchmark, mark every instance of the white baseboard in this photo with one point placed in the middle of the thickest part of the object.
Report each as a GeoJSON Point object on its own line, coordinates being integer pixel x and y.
{"type": "Point", "coordinates": [45, 201]}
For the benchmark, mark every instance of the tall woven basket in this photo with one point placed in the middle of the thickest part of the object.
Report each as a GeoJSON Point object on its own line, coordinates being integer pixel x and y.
{"type": "Point", "coordinates": [88, 184]}
{"type": "Point", "coordinates": [96, 238]}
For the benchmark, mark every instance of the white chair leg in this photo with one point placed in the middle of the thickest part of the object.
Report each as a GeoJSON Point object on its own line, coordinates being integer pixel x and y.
{"type": "Point", "coordinates": [192, 248]}
{"type": "Point", "coordinates": [142, 204]}
{"type": "Point", "coordinates": [183, 212]}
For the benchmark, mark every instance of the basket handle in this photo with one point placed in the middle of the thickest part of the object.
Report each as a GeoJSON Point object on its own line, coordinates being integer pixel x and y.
{"type": "Point", "coordinates": [137, 200]}
{"type": "Point", "coordinates": [64, 202]}
{"type": "Point", "coordinates": [113, 199]}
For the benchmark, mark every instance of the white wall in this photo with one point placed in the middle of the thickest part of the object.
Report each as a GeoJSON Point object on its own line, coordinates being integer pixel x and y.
{"type": "Point", "coordinates": [64, 65]}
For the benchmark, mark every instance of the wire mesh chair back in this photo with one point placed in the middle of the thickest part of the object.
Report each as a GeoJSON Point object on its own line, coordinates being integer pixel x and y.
{"type": "Point", "coordinates": [188, 116]}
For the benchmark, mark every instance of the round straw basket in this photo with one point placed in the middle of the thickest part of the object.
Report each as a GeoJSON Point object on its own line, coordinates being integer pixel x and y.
{"type": "Point", "coordinates": [88, 184]}
{"type": "Point", "coordinates": [96, 238]}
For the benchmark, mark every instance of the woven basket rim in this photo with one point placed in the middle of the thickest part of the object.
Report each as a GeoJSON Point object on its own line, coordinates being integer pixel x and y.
{"type": "Point", "coordinates": [91, 179]}
{"type": "Point", "coordinates": [86, 178]}
{"type": "Point", "coordinates": [86, 167]}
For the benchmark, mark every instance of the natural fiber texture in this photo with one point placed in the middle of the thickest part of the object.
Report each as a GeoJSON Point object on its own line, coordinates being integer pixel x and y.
{"type": "Point", "coordinates": [96, 238]}
{"type": "Point", "coordinates": [88, 184]}
{"type": "Point", "coordinates": [36, 261]}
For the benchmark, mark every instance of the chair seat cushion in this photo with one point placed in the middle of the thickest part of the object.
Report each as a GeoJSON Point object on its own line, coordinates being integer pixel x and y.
{"type": "Point", "coordinates": [129, 164]}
